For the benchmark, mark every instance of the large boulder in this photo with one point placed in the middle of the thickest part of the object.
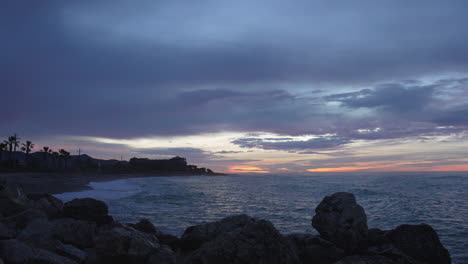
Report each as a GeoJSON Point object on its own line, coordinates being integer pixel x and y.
{"type": "Point", "coordinates": [22, 219]}
{"type": "Point", "coordinates": [16, 252]}
{"type": "Point", "coordinates": [420, 242]}
{"type": "Point", "coordinates": [195, 236]}
{"type": "Point", "coordinates": [6, 232]}
{"type": "Point", "coordinates": [12, 199]}
{"type": "Point", "coordinates": [257, 241]}
{"type": "Point", "coordinates": [48, 235]}
{"type": "Point", "coordinates": [124, 244]}
{"type": "Point", "coordinates": [75, 232]}
{"type": "Point", "coordinates": [339, 219]}
{"type": "Point", "coordinates": [313, 249]}
{"type": "Point", "coordinates": [87, 209]}
{"type": "Point", "coordinates": [71, 252]}
{"type": "Point", "coordinates": [145, 225]}
{"type": "Point", "coordinates": [51, 205]}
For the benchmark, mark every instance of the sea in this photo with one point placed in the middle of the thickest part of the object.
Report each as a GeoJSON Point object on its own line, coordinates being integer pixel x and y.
{"type": "Point", "coordinates": [288, 201]}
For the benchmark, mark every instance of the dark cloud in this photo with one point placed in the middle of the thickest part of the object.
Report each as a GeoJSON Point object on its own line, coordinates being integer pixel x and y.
{"type": "Point", "coordinates": [116, 69]}
{"type": "Point", "coordinates": [322, 142]}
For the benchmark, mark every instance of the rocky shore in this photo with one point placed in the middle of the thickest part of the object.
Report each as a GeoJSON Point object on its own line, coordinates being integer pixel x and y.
{"type": "Point", "coordinates": [39, 228]}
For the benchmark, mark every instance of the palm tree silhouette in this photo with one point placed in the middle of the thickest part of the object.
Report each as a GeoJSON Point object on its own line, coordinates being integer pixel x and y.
{"type": "Point", "coordinates": [65, 155]}
{"type": "Point", "coordinates": [12, 143]}
{"type": "Point", "coordinates": [46, 151]}
{"type": "Point", "coordinates": [27, 147]}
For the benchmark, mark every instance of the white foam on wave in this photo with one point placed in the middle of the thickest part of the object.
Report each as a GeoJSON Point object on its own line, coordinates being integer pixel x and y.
{"type": "Point", "coordinates": [104, 191]}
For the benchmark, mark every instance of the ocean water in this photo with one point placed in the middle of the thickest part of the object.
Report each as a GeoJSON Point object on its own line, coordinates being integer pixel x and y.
{"type": "Point", "coordinates": [174, 203]}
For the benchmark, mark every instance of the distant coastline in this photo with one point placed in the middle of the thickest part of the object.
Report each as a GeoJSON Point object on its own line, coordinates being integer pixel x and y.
{"type": "Point", "coordinates": [55, 183]}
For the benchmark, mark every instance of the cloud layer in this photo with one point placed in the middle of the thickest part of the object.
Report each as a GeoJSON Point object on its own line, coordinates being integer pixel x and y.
{"type": "Point", "coordinates": [342, 73]}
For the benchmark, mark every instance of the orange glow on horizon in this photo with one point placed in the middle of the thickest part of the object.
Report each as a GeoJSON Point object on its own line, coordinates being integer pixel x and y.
{"type": "Point", "coordinates": [240, 169]}
{"type": "Point", "coordinates": [338, 169]}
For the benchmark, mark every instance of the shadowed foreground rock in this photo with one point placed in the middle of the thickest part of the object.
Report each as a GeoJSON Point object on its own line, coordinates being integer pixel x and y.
{"type": "Point", "coordinates": [341, 220]}
{"type": "Point", "coordinates": [40, 229]}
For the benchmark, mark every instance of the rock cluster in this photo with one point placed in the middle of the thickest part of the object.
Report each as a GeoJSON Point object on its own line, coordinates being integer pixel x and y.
{"type": "Point", "coordinates": [39, 228]}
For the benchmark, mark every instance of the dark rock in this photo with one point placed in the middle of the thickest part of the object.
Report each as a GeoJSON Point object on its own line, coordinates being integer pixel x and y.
{"type": "Point", "coordinates": [195, 236]}
{"type": "Point", "coordinates": [87, 209]}
{"type": "Point", "coordinates": [12, 199]}
{"type": "Point", "coordinates": [16, 252]}
{"type": "Point", "coordinates": [75, 232]}
{"type": "Point", "coordinates": [6, 232]}
{"type": "Point", "coordinates": [21, 220]}
{"type": "Point", "coordinates": [163, 256]}
{"type": "Point", "coordinates": [44, 256]}
{"type": "Point", "coordinates": [13, 251]}
{"type": "Point", "coordinates": [376, 236]}
{"type": "Point", "coordinates": [341, 220]}
{"type": "Point", "coordinates": [313, 249]}
{"type": "Point", "coordinates": [124, 244]}
{"type": "Point", "coordinates": [420, 242]}
{"type": "Point", "coordinates": [366, 260]}
{"type": "Point", "coordinates": [51, 205]}
{"type": "Point", "coordinates": [170, 240]}
{"type": "Point", "coordinates": [391, 252]}
{"type": "Point", "coordinates": [71, 252]}
{"type": "Point", "coordinates": [257, 241]}
{"type": "Point", "coordinates": [9, 207]}
{"type": "Point", "coordinates": [145, 225]}
{"type": "Point", "coordinates": [38, 234]}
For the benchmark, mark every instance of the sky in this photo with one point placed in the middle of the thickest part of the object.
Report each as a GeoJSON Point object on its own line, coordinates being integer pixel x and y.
{"type": "Point", "coordinates": [241, 86]}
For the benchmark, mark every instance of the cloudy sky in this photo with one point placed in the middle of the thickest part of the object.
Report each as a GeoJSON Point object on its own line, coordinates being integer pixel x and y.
{"type": "Point", "coordinates": [242, 86]}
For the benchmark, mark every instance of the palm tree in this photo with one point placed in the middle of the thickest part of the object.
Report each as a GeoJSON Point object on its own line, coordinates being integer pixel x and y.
{"type": "Point", "coordinates": [46, 151]}
{"type": "Point", "coordinates": [65, 155]}
{"type": "Point", "coordinates": [12, 143]}
{"type": "Point", "coordinates": [27, 147]}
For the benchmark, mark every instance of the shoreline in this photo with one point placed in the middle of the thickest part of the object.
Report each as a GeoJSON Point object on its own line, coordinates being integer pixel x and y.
{"type": "Point", "coordinates": [57, 183]}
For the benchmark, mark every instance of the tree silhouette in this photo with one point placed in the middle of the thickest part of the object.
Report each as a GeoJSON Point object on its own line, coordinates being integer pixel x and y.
{"type": "Point", "coordinates": [46, 151]}
{"type": "Point", "coordinates": [27, 147]}
{"type": "Point", "coordinates": [65, 155]}
{"type": "Point", "coordinates": [12, 142]}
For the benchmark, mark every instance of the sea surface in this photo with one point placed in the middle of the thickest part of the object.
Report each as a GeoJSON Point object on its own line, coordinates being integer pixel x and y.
{"type": "Point", "coordinates": [391, 199]}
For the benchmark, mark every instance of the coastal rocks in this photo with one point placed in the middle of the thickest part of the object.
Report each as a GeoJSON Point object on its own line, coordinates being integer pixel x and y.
{"type": "Point", "coordinates": [124, 244]}
{"type": "Point", "coordinates": [144, 225]}
{"type": "Point", "coordinates": [420, 242]}
{"type": "Point", "coordinates": [75, 232]}
{"type": "Point", "coordinates": [12, 199]}
{"type": "Point", "coordinates": [6, 232]}
{"type": "Point", "coordinates": [195, 236]}
{"type": "Point", "coordinates": [81, 232]}
{"type": "Point", "coordinates": [22, 219]}
{"type": "Point", "coordinates": [313, 249]}
{"type": "Point", "coordinates": [13, 251]}
{"type": "Point", "coordinates": [342, 221]}
{"type": "Point", "coordinates": [16, 252]}
{"type": "Point", "coordinates": [242, 239]}
{"type": "Point", "coordinates": [49, 204]}
{"type": "Point", "coordinates": [87, 209]}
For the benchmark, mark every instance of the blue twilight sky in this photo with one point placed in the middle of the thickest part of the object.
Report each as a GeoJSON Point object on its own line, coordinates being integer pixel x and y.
{"type": "Point", "coordinates": [263, 86]}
